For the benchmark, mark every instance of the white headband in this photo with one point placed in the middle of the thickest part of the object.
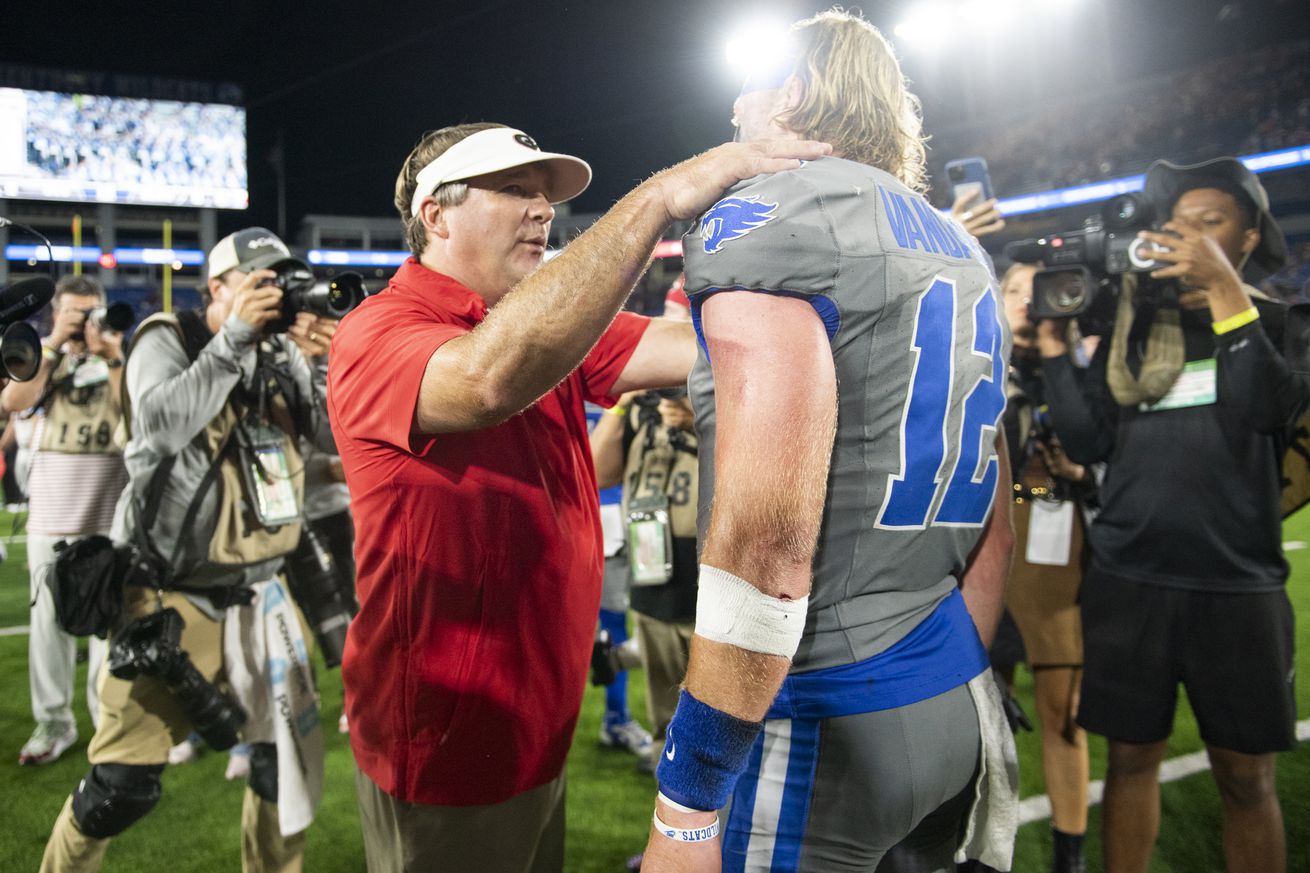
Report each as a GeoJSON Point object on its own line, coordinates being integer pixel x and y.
{"type": "Point", "coordinates": [500, 148]}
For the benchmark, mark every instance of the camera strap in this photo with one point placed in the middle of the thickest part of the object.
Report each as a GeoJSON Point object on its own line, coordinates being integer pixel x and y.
{"type": "Point", "coordinates": [1162, 361]}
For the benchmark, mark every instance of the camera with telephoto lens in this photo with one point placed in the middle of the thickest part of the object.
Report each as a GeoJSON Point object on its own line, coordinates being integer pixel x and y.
{"type": "Point", "coordinates": [1079, 263]}
{"type": "Point", "coordinates": [149, 646]}
{"type": "Point", "coordinates": [303, 292]}
{"type": "Point", "coordinates": [324, 596]}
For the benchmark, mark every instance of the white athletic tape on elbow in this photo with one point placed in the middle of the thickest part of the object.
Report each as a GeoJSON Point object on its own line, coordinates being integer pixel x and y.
{"type": "Point", "coordinates": [731, 610]}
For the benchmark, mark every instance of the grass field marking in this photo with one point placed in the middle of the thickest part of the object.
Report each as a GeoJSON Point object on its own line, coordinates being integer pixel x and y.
{"type": "Point", "coordinates": [1038, 808]}
{"type": "Point", "coordinates": [16, 631]}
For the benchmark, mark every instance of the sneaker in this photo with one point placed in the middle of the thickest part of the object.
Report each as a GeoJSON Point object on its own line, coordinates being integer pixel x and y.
{"type": "Point", "coordinates": [184, 752]}
{"type": "Point", "coordinates": [238, 763]}
{"type": "Point", "coordinates": [628, 735]}
{"type": "Point", "coordinates": [50, 740]}
{"type": "Point", "coordinates": [343, 726]}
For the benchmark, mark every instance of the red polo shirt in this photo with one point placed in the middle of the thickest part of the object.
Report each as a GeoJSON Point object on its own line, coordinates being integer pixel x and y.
{"type": "Point", "coordinates": [478, 556]}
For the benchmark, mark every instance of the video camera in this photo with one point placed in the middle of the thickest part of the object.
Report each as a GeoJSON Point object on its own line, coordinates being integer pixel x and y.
{"type": "Point", "coordinates": [20, 345]}
{"type": "Point", "coordinates": [1079, 263]}
{"type": "Point", "coordinates": [302, 292]}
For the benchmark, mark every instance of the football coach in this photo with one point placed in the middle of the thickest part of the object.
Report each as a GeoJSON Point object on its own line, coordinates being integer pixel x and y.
{"type": "Point", "coordinates": [456, 397]}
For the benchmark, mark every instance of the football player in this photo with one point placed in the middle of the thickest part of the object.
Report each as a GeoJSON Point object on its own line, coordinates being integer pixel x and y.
{"type": "Point", "coordinates": [847, 395]}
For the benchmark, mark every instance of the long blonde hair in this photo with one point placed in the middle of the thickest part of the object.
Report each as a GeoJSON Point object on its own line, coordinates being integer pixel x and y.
{"type": "Point", "coordinates": [856, 96]}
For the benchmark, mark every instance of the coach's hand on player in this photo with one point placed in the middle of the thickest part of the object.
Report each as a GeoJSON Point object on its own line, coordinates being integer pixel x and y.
{"type": "Point", "coordinates": [689, 188]}
{"type": "Point", "coordinates": [980, 220]}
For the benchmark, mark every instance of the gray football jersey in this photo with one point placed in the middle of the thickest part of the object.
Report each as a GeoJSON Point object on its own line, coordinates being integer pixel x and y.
{"type": "Point", "coordinates": [920, 346]}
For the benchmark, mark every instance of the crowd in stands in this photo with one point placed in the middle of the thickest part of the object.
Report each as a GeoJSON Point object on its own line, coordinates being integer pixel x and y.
{"type": "Point", "coordinates": [1292, 282]}
{"type": "Point", "coordinates": [1265, 106]}
{"type": "Point", "coordinates": [85, 137]}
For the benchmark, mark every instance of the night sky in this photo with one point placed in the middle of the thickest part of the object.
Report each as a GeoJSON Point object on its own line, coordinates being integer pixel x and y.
{"type": "Point", "coordinates": [629, 86]}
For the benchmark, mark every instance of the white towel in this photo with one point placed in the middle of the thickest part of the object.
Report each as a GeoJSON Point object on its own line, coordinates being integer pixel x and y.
{"type": "Point", "coordinates": [268, 668]}
{"type": "Point", "coordinates": [994, 820]}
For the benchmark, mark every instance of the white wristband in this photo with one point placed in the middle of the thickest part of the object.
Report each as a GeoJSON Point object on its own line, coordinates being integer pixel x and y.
{"type": "Point", "coordinates": [687, 835]}
{"type": "Point", "coordinates": [731, 610]}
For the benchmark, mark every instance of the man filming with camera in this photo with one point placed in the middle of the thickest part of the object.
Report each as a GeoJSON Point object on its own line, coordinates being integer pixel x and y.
{"type": "Point", "coordinates": [77, 476]}
{"type": "Point", "coordinates": [216, 400]}
{"type": "Point", "coordinates": [1190, 401]}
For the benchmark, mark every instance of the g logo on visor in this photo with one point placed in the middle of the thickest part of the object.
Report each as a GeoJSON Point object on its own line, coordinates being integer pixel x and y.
{"type": "Point", "coordinates": [526, 141]}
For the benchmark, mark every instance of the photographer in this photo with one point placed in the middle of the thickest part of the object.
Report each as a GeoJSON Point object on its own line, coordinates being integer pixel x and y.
{"type": "Point", "coordinates": [215, 404]}
{"type": "Point", "coordinates": [77, 475]}
{"type": "Point", "coordinates": [1191, 405]}
{"type": "Point", "coordinates": [1047, 573]}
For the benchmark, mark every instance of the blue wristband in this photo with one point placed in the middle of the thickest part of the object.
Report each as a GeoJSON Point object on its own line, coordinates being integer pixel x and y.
{"type": "Point", "coordinates": [705, 752]}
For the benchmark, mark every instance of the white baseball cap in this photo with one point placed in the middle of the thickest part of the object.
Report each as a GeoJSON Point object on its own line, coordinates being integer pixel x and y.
{"type": "Point", "coordinates": [501, 148]}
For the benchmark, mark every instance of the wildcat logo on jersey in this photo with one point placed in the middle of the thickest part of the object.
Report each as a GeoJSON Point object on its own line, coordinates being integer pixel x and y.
{"type": "Point", "coordinates": [732, 218]}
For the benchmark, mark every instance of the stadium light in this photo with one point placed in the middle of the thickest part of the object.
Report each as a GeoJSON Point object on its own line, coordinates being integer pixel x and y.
{"type": "Point", "coordinates": [764, 38]}
{"type": "Point", "coordinates": [988, 15]}
{"type": "Point", "coordinates": [924, 27]}
{"type": "Point", "coordinates": [934, 21]}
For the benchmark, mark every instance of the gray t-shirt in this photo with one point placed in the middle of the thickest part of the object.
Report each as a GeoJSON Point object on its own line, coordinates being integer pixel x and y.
{"type": "Point", "coordinates": [920, 347]}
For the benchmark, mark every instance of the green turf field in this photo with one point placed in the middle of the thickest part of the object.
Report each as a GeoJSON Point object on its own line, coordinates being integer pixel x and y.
{"type": "Point", "coordinates": [195, 827]}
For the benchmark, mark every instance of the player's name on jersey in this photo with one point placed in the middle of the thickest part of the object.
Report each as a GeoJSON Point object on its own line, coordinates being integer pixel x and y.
{"type": "Point", "coordinates": [916, 225]}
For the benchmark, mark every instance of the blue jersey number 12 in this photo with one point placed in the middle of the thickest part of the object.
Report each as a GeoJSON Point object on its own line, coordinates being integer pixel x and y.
{"type": "Point", "coordinates": [912, 494]}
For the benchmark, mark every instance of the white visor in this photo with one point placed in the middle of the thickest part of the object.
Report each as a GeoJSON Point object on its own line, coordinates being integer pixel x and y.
{"type": "Point", "coordinates": [501, 148]}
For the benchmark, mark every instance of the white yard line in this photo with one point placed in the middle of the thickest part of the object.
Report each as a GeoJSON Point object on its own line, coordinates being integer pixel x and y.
{"type": "Point", "coordinates": [1031, 809]}
{"type": "Point", "coordinates": [1039, 808]}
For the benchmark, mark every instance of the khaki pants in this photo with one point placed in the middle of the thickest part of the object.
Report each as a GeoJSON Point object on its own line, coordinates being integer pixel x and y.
{"type": "Point", "coordinates": [665, 648]}
{"type": "Point", "coordinates": [139, 722]}
{"type": "Point", "coordinates": [524, 834]}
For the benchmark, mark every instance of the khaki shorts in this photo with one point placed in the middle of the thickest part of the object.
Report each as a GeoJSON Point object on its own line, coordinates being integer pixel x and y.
{"type": "Point", "coordinates": [1044, 599]}
{"type": "Point", "coordinates": [524, 834]}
